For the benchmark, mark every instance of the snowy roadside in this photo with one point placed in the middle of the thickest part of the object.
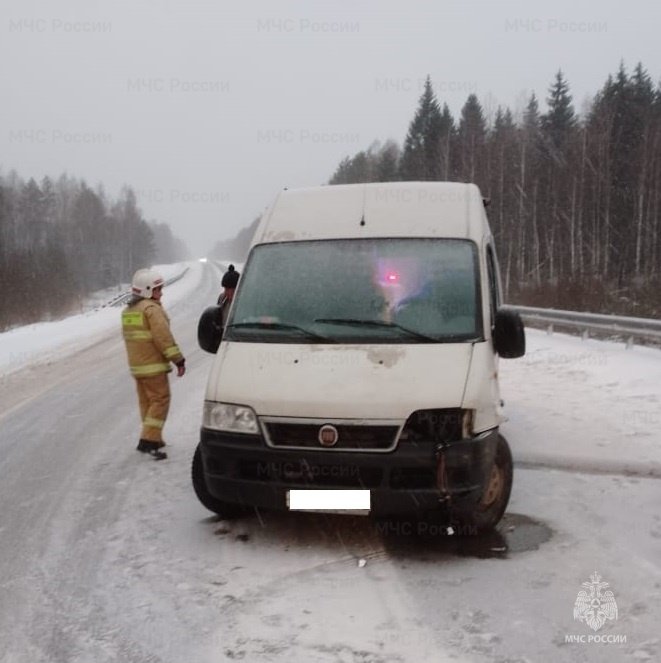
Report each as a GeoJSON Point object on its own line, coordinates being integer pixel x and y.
{"type": "Point", "coordinates": [584, 405]}
{"type": "Point", "coordinates": [44, 342]}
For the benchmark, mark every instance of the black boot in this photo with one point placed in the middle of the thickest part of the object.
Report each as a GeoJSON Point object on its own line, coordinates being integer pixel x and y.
{"type": "Point", "coordinates": [152, 448]}
{"type": "Point", "coordinates": [157, 455]}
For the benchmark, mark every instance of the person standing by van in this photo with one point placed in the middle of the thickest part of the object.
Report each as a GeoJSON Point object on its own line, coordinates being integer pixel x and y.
{"type": "Point", "coordinates": [229, 283]}
{"type": "Point", "coordinates": [150, 347]}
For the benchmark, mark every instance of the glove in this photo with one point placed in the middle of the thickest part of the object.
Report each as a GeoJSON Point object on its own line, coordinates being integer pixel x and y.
{"type": "Point", "coordinates": [181, 367]}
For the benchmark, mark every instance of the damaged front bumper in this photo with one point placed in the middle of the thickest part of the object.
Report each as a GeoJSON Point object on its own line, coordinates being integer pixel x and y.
{"type": "Point", "coordinates": [415, 477]}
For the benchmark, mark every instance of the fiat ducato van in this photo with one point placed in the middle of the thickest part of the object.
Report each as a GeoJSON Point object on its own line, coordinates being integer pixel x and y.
{"type": "Point", "coordinates": [360, 356]}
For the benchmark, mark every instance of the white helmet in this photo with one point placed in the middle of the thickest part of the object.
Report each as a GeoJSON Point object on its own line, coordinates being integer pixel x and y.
{"type": "Point", "coordinates": [144, 282]}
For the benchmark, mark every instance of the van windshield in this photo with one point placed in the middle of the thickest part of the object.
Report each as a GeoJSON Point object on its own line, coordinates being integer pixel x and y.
{"type": "Point", "coordinates": [359, 291]}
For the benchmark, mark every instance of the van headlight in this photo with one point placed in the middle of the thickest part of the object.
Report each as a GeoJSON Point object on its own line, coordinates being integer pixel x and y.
{"type": "Point", "coordinates": [229, 418]}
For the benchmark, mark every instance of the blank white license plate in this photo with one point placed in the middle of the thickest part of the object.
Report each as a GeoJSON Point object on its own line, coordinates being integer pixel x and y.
{"type": "Point", "coordinates": [356, 502]}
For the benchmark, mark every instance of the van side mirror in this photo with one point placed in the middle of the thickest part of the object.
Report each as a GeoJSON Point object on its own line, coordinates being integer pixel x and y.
{"type": "Point", "coordinates": [509, 338]}
{"type": "Point", "coordinates": [210, 329]}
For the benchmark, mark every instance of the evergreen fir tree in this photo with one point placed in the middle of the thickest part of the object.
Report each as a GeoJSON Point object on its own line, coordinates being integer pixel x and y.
{"type": "Point", "coordinates": [421, 156]}
{"type": "Point", "coordinates": [471, 136]}
{"type": "Point", "coordinates": [560, 119]}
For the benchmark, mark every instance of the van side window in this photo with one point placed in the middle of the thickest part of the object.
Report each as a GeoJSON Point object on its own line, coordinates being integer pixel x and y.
{"type": "Point", "coordinates": [494, 296]}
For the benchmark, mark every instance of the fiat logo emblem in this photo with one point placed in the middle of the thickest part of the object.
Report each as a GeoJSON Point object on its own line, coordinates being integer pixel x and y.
{"type": "Point", "coordinates": [328, 436]}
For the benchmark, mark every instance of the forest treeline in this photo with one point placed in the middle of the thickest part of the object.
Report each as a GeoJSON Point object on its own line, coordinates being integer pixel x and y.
{"type": "Point", "coordinates": [61, 240]}
{"type": "Point", "coordinates": [575, 199]}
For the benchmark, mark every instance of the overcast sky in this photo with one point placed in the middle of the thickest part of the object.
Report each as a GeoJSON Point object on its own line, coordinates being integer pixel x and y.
{"type": "Point", "coordinates": [207, 108]}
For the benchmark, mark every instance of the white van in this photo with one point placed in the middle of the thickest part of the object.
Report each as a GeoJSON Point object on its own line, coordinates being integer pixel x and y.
{"type": "Point", "coordinates": [361, 353]}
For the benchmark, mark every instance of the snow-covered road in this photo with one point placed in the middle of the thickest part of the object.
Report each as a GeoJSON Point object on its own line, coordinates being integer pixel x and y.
{"type": "Point", "coordinates": [107, 556]}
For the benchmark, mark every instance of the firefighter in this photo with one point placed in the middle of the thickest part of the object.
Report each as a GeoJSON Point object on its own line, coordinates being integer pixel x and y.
{"type": "Point", "coordinates": [150, 348]}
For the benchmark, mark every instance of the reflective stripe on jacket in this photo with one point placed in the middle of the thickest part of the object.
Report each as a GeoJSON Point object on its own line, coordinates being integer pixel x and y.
{"type": "Point", "coordinates": [149, 343]}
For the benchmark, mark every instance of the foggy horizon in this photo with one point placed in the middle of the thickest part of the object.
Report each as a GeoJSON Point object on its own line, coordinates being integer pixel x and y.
{"type": "Point", "coordinates": [207, 110]}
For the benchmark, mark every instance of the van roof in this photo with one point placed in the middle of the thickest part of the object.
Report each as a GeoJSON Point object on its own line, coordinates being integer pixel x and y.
{"type": "Point", "coordinates": [393, 209]}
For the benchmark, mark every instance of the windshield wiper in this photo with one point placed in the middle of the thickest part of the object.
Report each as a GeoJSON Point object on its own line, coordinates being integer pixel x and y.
{"type": "Point", "coordinates": [281, 325]}
{"type": "Point", "coordinates": [377, 323]}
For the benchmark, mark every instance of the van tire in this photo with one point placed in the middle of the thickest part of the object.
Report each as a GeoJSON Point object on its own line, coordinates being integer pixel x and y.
{"type": "Point", "coordinates": [223, 509]}
{"type": "Point", "coordinates": [486, 514]}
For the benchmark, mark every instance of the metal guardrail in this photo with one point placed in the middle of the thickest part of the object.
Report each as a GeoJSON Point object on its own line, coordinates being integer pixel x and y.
{"type": "Point", "coordinates": [123, 298]}
{"type": "Point", "coordinates": [118, 300]}
{"type": "Point", "coordinates": [632, 329]}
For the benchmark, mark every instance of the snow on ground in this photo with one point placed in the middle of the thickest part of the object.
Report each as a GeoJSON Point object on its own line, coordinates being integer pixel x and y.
{"type": "Point", "coordinates": [44, 342]}
{"type": "Point", "coordinates": [584, 404]}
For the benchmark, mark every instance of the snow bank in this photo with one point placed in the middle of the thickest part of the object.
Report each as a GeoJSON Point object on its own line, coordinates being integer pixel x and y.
{"type": "Point", "coordinates": [584, 404]}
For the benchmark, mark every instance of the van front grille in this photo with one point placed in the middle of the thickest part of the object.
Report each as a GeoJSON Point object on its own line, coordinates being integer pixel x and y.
{"type": "Point", "coordinates": [349, 436]}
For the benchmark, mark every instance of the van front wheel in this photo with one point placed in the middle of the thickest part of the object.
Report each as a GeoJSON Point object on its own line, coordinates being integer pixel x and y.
{"type": "Point", "coordinates": [223, 509]}
{"type": "Point", "coordinates": [486, 514]}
